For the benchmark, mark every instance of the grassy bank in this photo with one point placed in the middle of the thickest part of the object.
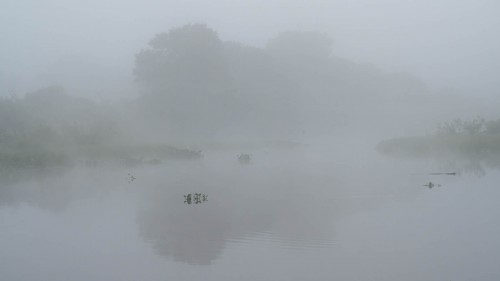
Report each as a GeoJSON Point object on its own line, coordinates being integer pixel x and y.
{"type": "Point", "coordinates": [482, 145]}
{"type": "Point", "coordinates": [128, 155]}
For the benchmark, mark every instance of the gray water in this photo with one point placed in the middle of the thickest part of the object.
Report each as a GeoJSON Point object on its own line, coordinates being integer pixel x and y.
{"type": "Point", "coordinates": [308, 213]}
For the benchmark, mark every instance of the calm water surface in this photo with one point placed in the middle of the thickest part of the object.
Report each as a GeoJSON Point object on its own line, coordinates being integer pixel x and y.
{"type": "Point", "coordinates": [309, 213]}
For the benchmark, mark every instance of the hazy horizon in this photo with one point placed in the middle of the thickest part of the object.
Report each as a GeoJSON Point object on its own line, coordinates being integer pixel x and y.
{"type": "Point", "coordinates": [249, 140]}
{"type": "Point", "coordinates": [447, 44]}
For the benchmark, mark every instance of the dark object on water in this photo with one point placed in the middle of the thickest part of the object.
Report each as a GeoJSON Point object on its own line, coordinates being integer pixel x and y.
{"type": "Point", "coordinates": [130, 178]}
{"type": "Point", "coordinates": [431, 185]}
{"type": "Point", "coordinates": [447, 174]}
{"type": "Point", "coordinates": [244, 158]}
{"type": "Point", "coordinates": [195, 198]}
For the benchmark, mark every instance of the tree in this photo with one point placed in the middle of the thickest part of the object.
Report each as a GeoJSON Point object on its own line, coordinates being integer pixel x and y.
{"type": "Point", "coordinates": [185, 60]}
{"type": "Point", "coordinates": [184, 78]}
{"type": "Point", "coordinates": [459, 127]}
{"type": "Point", "coordinates": [300, 44]}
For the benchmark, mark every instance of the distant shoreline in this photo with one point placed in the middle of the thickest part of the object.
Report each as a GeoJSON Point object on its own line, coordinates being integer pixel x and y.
{"type": "Point", "coordinates": [126, 155]}
{"type": "Point", "coordinates": [481, 145]}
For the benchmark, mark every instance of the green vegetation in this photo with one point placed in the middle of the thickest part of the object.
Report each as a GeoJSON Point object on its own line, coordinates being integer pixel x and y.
{"type": "Point", "coordinates": [196, 88]}
{"type": "Point", "coordinates": [49, 128]}
{"type": "Point", "coordinates": [470, 138]}
{"type": "Point", "coordinates": [478, 145]}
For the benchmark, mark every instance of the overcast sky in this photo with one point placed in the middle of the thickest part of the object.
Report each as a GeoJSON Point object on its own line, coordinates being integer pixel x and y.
{"type": "Point", "coordinates": [447, 43]}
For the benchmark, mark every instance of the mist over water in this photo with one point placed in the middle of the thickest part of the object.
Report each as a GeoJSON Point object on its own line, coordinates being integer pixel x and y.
{"type": "Point", "coordinates": [290, 214]}
{"type": "Point", "coordinates": [249, 140]}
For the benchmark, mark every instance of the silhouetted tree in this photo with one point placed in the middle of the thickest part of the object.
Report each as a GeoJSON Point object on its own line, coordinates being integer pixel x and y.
{"type": "Point", "coordinates": [184, 78]}
{"type": "Point", "coordinates": [191, 81]}
{"type": "Point", "coordinates": [301, 44]}
{"type": "Point", "coordinates": [468, 127]}
{"type": "Point", "coordinates": [185, 60]}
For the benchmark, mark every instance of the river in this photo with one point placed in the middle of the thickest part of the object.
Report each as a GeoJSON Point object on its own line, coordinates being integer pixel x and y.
{"type": "Point", "coordinates": [306, 213]}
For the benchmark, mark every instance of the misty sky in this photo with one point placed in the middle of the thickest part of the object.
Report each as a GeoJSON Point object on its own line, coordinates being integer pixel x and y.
{"type": "Point", "coordinates": [448, 43]}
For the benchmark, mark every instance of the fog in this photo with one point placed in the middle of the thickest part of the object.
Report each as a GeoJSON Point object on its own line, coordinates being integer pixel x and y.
{"type": "Point", "coordinates": [445, 43]}
{"type": "Point", "coordinates": [250, 140]}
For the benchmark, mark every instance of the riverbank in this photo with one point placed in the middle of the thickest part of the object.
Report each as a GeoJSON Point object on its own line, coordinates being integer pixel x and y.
{"type": "Point", "coordinates": [127, 155]}
{"type": "Point", "coordinates": [482, 145]}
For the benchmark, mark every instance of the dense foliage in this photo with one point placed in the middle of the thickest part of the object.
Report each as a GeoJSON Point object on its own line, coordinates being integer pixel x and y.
{"type": "Point", "coordinates": [50, 128]}
{"type": "Point", "coordinates": [194, 83]}
{"type": "Point", "coordinates": [477, 137]}
{"type": "Point", "coordinates": [195, 87]}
